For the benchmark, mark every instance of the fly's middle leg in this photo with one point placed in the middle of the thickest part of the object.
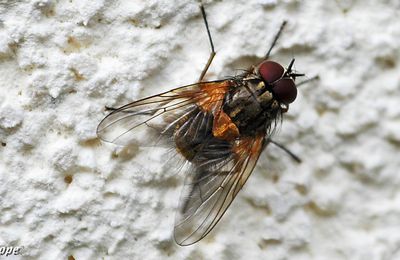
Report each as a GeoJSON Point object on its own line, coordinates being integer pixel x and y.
{"type": "Point", "coordinates": [290, 153]}
{"type": "Point", "coordinates": [212, 54]}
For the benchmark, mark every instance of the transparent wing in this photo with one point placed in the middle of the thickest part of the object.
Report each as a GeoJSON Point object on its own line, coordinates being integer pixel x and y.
{"type": "Point", "coordinates": [220, 170]}
{"type": "Point", "coordinates": [145, 121]}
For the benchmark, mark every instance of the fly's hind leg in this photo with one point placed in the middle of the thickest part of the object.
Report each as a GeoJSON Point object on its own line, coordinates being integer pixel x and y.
{"type": "Point", "coordinates": [110, 108]}
{"type": "Point", "coordinates": [212, 54]}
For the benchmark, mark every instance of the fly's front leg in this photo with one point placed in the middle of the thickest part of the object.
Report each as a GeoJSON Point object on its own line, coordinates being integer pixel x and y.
{"type": "Point", "coordinates": [212, 54]}
{"type": "Point", "coordinates": [307, 81]}
{"type": "Point", "coordinates": [275, 39]}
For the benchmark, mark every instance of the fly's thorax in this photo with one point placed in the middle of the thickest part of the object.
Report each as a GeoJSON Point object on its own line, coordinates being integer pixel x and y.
{"type": "Point", "coordinates": [251, 105]}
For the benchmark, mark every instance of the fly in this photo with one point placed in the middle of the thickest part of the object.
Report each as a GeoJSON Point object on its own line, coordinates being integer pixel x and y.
{"type": "Point", "coordinates": [220, 127]}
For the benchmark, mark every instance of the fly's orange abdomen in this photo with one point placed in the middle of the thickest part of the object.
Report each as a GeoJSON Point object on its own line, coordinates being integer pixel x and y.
{"type": "Point", "coordinates": [223, 127]}
{"type": "Point", "coordinates": [214, 95]}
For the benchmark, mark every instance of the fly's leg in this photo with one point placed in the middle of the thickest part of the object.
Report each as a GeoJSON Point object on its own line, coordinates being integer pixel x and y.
{"type": "Point", "coordinates": [275, 39]}
{"type": "Point", "coordinates": [212, 54]}
{"type": "Point", "coordinates": [291, 154]}
{"type": "Point", "coordinates": [110, 108]}
{"type": "Point", "coordinates": [307, 81]}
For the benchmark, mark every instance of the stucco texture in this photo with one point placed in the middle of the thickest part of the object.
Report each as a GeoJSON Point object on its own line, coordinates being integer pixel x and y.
{"type": "Point", "coordinates": [64, 193]}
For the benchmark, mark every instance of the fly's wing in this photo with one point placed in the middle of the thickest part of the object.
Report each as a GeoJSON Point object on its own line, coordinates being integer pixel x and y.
{"type": "Point", "coordinates": [147, 120]}
{"type": "Point", "coordinates": [220, 170]}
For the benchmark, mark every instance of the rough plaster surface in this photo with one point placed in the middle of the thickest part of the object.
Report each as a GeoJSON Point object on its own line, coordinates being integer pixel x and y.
{"type": "Point", "coordinates": [62, 61]}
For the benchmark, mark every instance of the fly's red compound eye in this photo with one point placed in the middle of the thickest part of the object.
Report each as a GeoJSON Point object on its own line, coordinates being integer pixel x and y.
{"type": "Point", "coordinates": [285, 90]}
{"type": "Point", "coordinates": [270, 71]}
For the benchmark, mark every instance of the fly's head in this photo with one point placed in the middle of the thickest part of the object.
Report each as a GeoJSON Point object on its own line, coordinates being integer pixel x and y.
{"type": "Point", "coordinates": [281, 82]}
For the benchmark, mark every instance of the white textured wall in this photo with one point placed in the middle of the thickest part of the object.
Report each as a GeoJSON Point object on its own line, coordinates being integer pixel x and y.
{"type": "Point", "coordinates": [62, 61]}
